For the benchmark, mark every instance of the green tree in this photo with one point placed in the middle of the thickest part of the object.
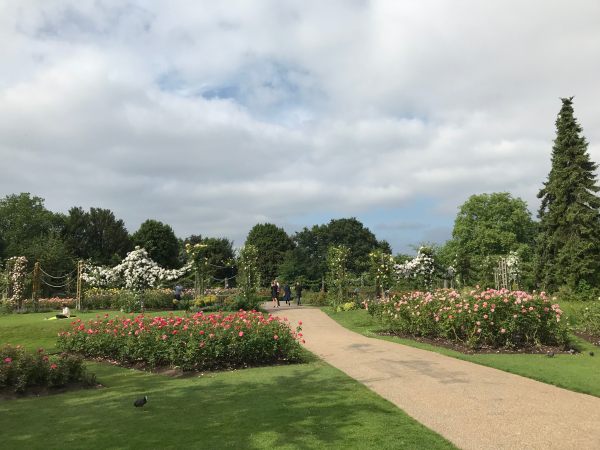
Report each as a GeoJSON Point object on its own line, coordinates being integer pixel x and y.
{"type": "Point", "coordinates": [160, 242]}
{"type": "Point", "coordinates": [568, 245]}
{"type": "Point", "coordinates": [218, 258]}
{"type": "Point", "coordinates": [487, 227]}
{"type": "Point", "coordinates": [308, 259]}
{"type": "Point", "coordinates": [56, 258]}
{"type": "Point", "coordinates": [24, 218]}
{"type": "Point", "coordinates": [272, 243]}
{"type": "Point", "coordinates": [96, 235]}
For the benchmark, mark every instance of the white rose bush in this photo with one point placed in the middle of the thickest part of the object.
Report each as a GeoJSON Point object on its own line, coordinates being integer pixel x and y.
{"type": "Point", "coordinates": [421, 267]}
{"type": "Point", "coordinates": [136, 273]}
{"type": "Point", "coordinates": [16, 280]}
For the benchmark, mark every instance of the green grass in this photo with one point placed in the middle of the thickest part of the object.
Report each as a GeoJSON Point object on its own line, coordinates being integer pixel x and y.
{"type": "Point", "coordinates": [310, 405]}
{"type": "Point", "coordinates": [580, 373]}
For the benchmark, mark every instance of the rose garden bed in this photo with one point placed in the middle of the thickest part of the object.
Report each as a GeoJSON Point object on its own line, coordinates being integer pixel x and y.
{"type": "Point", "coordinates": [197, 342]}
{"type": "Point", "coordinates": [36, 373]}
{"type": "Point", "coordinates": [485, 320]}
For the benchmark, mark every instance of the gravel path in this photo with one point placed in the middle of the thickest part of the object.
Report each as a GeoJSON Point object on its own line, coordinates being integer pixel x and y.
{"type": "Point", "coordinates": [473, 406]}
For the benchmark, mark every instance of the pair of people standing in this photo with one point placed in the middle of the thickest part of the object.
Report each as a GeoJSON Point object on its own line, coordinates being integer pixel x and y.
{"type": "Point", "coordinates": [287, 293]}
{"type": "Point", "coordinates": [275, 290]}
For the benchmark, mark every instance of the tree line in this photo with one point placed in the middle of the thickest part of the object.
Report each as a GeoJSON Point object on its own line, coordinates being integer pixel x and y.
{"type": "Point", "coordinates": [559, 251]}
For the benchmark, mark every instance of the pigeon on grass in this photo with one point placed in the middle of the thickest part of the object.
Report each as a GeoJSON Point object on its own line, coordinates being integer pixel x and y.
{"type": "Point", "coordinates": [140, 401]}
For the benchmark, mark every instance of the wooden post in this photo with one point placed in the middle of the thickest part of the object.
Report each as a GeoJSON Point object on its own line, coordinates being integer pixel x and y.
{"type": "Point", "coordinates": [79, 285]}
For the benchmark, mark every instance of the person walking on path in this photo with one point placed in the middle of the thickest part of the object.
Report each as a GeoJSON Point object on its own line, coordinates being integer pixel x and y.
{"type": "Point", "coordinates": [298, 289]}
{"type": "Point", "coordinates": [287, 294]}
{"type": "Point", "coordinates": [275, 293]}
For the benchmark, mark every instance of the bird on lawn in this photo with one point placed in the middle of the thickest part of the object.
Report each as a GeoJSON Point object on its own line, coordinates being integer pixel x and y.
{"type": "Point", "coordinates": [140, 401]}
{"type": "Point", "coordinates": [550, 354]}
{"type": "Point", "coordinates": [591, 353]}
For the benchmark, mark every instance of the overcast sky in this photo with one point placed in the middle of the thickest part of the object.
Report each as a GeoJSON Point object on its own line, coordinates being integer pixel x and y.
{"type": "Point", "coordinates": [214, 116]}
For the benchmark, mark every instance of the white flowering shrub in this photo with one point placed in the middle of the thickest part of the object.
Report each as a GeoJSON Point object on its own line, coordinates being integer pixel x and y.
{"type": "Point", "coordinates": [513, 264]}
{"type": "Point", "coordinates": [136, 272]}
{"type": "Point", "coordinates": [18, 271]}
{"type": "Point", "coordinates": [382, 270]}
{"type": "Point", "coordinates": [421, 267]}
{"type": "Point", "coordinates": [248, 276]}
{"type": "Point", "coordinates": [337, 274]}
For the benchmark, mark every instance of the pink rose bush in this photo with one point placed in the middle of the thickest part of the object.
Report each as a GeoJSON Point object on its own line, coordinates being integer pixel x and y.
{"type": "Point", "coordinates": [21, 369]}
{"type": "Point", "coordinates": [196, 342]}
{"type": "Point", "coordinates": [478, 318]}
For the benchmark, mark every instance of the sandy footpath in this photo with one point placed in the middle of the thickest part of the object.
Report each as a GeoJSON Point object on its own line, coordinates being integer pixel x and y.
{"type": "Point", "coordinates": [473, 406]}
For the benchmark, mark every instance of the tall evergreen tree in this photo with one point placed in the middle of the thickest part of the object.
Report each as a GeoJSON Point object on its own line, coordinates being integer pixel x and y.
{"type": "Point", "coordinates": [568, 246]}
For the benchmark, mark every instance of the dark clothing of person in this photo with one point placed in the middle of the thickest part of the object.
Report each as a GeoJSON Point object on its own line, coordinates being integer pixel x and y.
{"type": "Point", "coordinates": [275, 293]}
{"type": "Point", "coordinates": [298, 289]}
{"type": "Point", "coordinates": [287, 294]}
{"type": "Point", "coordinates": [178, 291]}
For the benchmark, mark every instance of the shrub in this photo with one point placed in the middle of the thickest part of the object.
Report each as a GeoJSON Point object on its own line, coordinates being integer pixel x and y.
{"type": "Point", "coordinates": [97, 298]}
{"type": "Point", "coordinates": [348, 306]}
{"type": "Point", "coordinates": [477, 318]}
{"type": "Point", "coordinates": [51, 303]}
{"type": "Point", "coordinates": [197, 342]}
{"type": "Point", "coordinates": [589, 318]}
{"type": "Point", "coordinates": [315, 298]}
{"type": "Point", "coordinates": [20, 369]}
{"type": "Point", "coordinates": [207, 300]}
{"type": "Point", "coordinates": [127, 301]}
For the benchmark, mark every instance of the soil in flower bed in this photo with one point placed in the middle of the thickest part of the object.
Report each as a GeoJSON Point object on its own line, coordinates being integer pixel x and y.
{"type": "Point", "coordinates": [595, 340]}
{"type": "Point", "coordinates": [178, 372]}
{"type": "Point", "coordinates": [462, 348]}
{"type": "Point", "coordinates": [42, 391]}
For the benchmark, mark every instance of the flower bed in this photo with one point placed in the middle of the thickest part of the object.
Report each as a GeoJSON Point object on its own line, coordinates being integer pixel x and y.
{"type": "Point", "coordinates": [20, 370]}
{"type": "Point", "coordinates": [125, 300]}
{"type": "Point", "coordinates": [198, 342]}
{"type": "Point", "coordinates": [490, 318]}
{"type": "Point", "coordinates": [51, 303]}
{"type": "Point", "coordinates": [589, 319]}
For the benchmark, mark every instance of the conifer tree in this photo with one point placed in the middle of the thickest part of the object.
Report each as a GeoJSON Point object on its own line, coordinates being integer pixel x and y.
{"type": "Point", "coordinates": [568, 245]}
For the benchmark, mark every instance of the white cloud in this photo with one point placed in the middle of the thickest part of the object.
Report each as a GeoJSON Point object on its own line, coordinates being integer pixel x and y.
{"type": "Point", "coordinates": [215, 116]}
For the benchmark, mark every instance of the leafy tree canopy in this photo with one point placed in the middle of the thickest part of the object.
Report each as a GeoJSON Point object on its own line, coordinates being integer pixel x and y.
{"type": "Point", "coordinates": [24, 218]}
{"type": "Point", "coordinates": [488, 226]}
{"type": "Point", "coordinates": [272, 243]}
{"type": "Point", "coordinates": [160, 242]}
{"type": "Point", "coordinates": [308, 260]}
{"type": "Point", "coordinates": [96, 235]}
{"type": "Point", "coordinates": [218, 255]}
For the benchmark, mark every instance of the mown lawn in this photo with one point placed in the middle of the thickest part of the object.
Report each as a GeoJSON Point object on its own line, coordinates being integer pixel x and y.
{"type": "Point", "coordinates": [579, 372]}
{"type": "Point", "coordinates": [311, 405]}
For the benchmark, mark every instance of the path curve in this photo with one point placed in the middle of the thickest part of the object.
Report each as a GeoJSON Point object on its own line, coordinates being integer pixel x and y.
{"type": "Point", "coordinates": [473, 406]}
